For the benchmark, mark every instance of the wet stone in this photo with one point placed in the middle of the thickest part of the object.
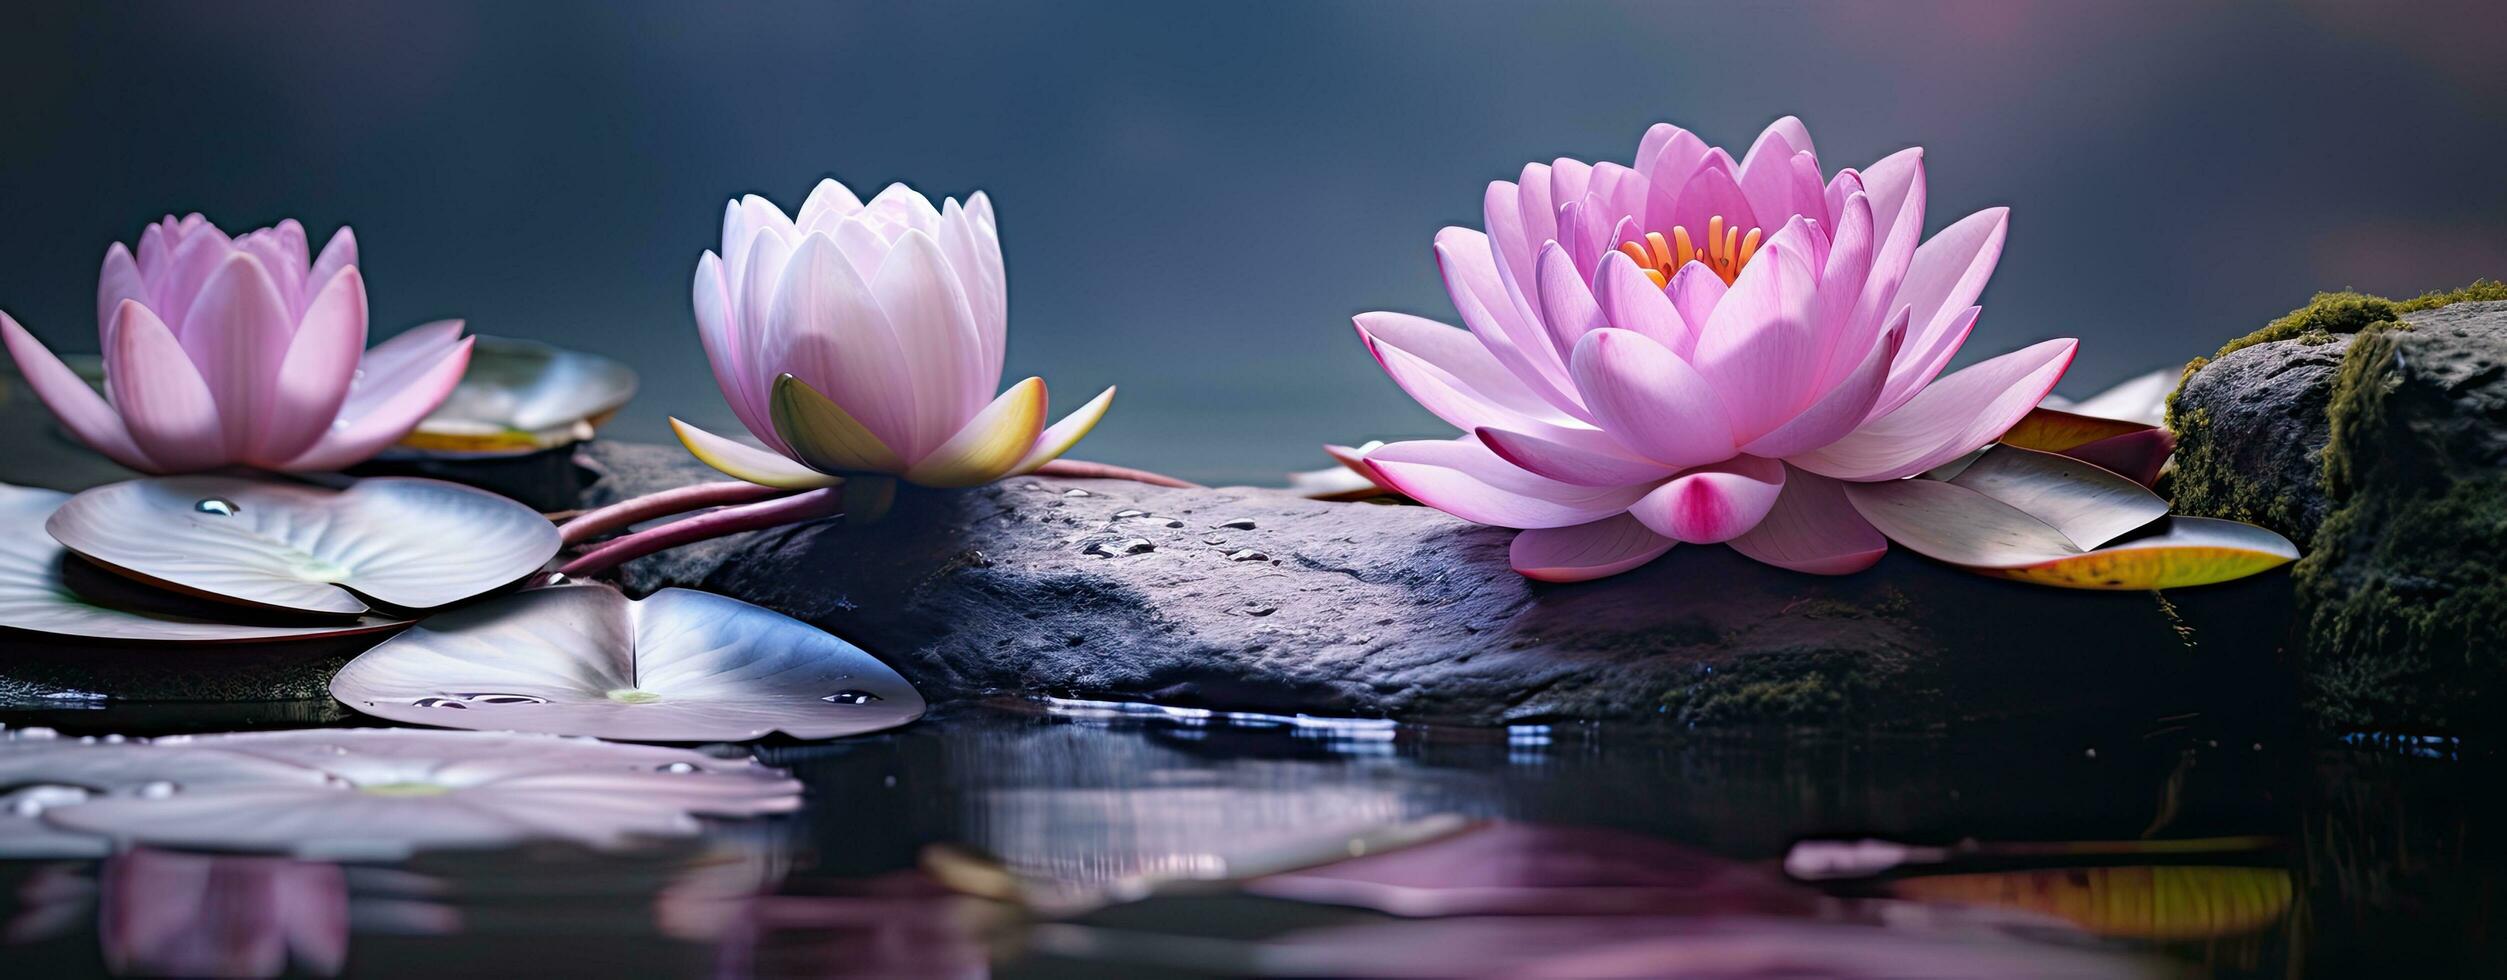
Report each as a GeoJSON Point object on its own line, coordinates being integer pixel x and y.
{"type": "Point", "coordinates": [1404, 612]}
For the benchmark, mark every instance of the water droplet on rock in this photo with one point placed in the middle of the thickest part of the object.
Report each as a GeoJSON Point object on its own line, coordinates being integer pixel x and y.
{"type": "Point", "coordinates": [1260, 609]}
{"type": "Point", "coordinates": [676, 767]}
{"type": "Point", "coordinates": [1077, 492]}
{"type": "Point", "coordinates": [851, 697]}
{"type": "Point", "coordinates": [1121, 514]}
{"type": "Point", "coordinates": [1112, 549]}
{"type": "Point", "coordinates": [1247, 554]}
{"type": "Point", "coordinates": [1239, 524]}
{"type": "Point", "coordinates": [216, 505]}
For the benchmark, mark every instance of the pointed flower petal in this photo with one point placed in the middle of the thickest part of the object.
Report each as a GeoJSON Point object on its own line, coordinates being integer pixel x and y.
{"type": "Point", "coordinates": [823, 436]}
{"type": "Point", "coordinates": [1062, 435]}
{"type": "Point", "coordinates": [1813, 529]}
{"type": "Point", "coordinates": [1712, 504]}
{"type": "Point", "coordinates": [991, 444]}
{"type": "Point", "coordinates": [743, 462]}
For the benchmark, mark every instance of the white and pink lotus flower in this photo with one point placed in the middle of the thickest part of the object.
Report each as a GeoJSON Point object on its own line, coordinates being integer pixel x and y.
{"type": "Point", "coordinates": [1694, 349]}
{"type": "Point", "coordinates": [861, 338]}
{"type": "Point", "coordinates": [244, 351]}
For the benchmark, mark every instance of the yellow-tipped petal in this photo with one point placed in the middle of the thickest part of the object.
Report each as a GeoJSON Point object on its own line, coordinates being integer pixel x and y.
{"type": "Point", "coordinates": [741, 461]}
{"type": "Point", "coordinates": [825, 436]}
{"type": "Point", "coordinates": [990, 444]}
{"type": "Point", "coordinates": [1065, 433]}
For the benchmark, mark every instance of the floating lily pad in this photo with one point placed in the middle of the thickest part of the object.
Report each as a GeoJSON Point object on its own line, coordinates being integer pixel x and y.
{"type": "Point", "coordinates": [2056, 521]}
{"type": "Point", "coordinates": [521, 396]}
{"type": "Point", "coordinates": [43, 590]}
{"type": "Point", "coordinates": [43, 771]}
{"type": "Point", "coordinates": [405, 543]}
{"type": "Point", "coordinates": [386, 793]}
{"type": "Point", "coordinates": [678, 666]}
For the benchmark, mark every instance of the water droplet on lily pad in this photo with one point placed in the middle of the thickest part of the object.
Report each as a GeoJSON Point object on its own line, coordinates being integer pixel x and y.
{"type": "Point", "coordinates": [157, 790]}
{"type": "Point", "coordinates": [851, 697]}
{"type": "Point", "coordinates": [216, 505]}
{"type": "Point", "coordinates": [440, 703]}
{"type": "Point", "coordinates": [676, 767]}
{"type": "Point", "coordinates": [629, 695]}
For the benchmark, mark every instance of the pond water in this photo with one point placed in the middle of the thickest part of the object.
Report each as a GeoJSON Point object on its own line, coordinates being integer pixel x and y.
{"type": "Point", "coordinates": [2153, 847]}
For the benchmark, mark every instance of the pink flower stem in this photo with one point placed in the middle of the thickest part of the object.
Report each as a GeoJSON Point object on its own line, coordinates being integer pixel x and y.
{"type": "Point", "coordinates": [1084, 470]}
{"type": "Point", "coordinates": [654, 506]}
{"type": "Point", "coordinates": [793, 509]}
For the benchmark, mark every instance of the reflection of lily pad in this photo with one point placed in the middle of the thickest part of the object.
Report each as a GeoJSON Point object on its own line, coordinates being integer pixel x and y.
{"type": "Point", "coordinates": [407, 543]}
{"type": "Point", "coordinates": [678, 666]}
{"type": "Point", "coordinates": [2048, 519]}
{"type": "Point", "coordinates": [2158, 903]}
{"type": "Point", "coordinates": [377, 793]}
{"type": "Point", "coordinates": [37, 594]}
{"type": "Point", "coordinates": [520, 396]}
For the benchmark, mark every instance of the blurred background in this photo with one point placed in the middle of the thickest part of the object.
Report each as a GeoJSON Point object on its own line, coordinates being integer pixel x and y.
{"type": "Point", "coordinates": [1194, 198]}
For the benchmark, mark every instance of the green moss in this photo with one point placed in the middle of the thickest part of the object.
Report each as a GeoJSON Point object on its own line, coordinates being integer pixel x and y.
{"type": "Point", "coordinates": [2405, 603]}
{"type": "Point", "coordinates": [2330, 314]}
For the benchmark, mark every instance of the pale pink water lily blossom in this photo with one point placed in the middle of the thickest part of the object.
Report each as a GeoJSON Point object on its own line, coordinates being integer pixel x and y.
{"type": "Point", "coordinates": [1694, 349]}
{"type": "Point", "coordinates": [243, 351]}
{"type": "Point", "coordinates": [859, 338]}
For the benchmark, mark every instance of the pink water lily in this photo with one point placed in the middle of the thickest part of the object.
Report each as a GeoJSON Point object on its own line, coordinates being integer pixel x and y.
{"type": "Point", "coordinates": [245, 351]}
{"type": "Point", "coordinates": [858, 338]}
{"type": "Point", "coordinates": [1694, 349]}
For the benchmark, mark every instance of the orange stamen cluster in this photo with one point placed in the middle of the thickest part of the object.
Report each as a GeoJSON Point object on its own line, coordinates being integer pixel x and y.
{"type": "Point", "coordinates": [1726, 251]}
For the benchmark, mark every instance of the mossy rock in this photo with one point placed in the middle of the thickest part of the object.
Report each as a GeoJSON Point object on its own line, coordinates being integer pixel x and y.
{"type": "Point", "coordinates": [2374, 433]}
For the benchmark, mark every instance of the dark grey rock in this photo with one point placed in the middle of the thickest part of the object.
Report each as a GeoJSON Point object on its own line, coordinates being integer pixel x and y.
{"type": "Point", "coordinates": [2382, 450]}
{"type": "Point", "coordinates": [1134, 591]}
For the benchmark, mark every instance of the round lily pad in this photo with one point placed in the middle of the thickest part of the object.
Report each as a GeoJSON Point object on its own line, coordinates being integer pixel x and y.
{"type": "Point", "coordinates": [401, 542]}
{"type": "Point", "coordinates": [44, 589]}
{"type": "Point", "coordinates": [678, 666]}
{"type": "Point", "coordinates": [522, 396]}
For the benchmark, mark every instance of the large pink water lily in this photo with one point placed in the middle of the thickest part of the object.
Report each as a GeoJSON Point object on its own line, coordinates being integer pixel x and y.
{"type": "Point", "coordinates": [1693, 349]}
{"type": "Point", "coordinates": [859, 338]}
{"type": "Point", "coordinates": [242, 351]}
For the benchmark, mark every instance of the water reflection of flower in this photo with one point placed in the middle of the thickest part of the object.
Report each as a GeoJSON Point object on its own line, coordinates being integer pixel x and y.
{"type": "Point", "coordinates": [163, 913]}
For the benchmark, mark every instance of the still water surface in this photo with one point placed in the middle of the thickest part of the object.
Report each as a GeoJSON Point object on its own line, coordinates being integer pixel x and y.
{"type": "Point", "coordinates": [1054, 838]}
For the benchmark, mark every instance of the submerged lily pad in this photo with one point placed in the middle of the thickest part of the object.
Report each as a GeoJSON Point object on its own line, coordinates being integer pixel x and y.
{"type": "Point", "coordinates": [521, 396]}
{"type": "Point", "coordinates": [406, 543]}
{"type": "Point", "coordinates": [2049, 519]}
{"type": "Point", "coordinates": [678, 666]}
{"type": "Point", "coordinates": [37, 592]}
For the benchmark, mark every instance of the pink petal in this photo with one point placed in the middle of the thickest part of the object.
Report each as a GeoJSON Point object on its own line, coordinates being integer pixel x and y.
{"type": "Point", "coordinates": [1630, 301]}
{"type": "Point", "coordinates": [203, 252]}
{"type": "Point", "coordinates": [974, 253]}
{"type": "Point", "coordinates": [829, 197]}
{"type": "Point", "coordinates": [1795, 135]}
{"type": "Point", "coordinates": [825, 327]}
{"type": "Point", "coordinates": [172, 414]}
{"type": "Point", "coordinates": [1518, 342]}
{"type": "Point", "coordinates": [1695, 291]}
{"type": "Point", "coordinates": [1841, 282]}
{"type": "Point", "coordinates": [1810, 191]}
{"type": "Point", "coordinates": [1650, 400]}
{"type": "Point", "coordinates": [1713, 503]}
{"type": "Point", "coordinates": [1586, 551]}
{"type": "Point", "coordinates": [376, 416]}
{"type": "Point", "coordinates": [237, 333]}
{"type": "Point", "coordinates": [1949, 419]}
{"type": "Point", "coordinates": [1841, 410]}
{"type": "Point", "coordinates": [1449, 373]}
{"type": "Point", "coordinates": [81, 410]}
{"type": "Point", "coordinates": [1463, 478]}
{"type": "Point", "coordinates": [1668, 155]}
{"type": "Point", "coordinates": [726, 350]}
{"type": "Point", "coordinates": [942, 355]}
{"type": "Point", "coordinates": [1914, 369]}
{"type": "Point", "coordinates": [1813, 528]}
{"type": "Point", "coordinates": [395, 362]}
{"type": "Point", "coordinates": [1567, 308]}
{"type": "Point", "coordinates": [1766, 177]}
{"type": "Point", "coordinates": [1711, 193]}
{"type": "Point", "coordinates": [1761, 348]}
{"type": "Point", "coordinates": [339, 254]}
{"type": "Point", "coordinates": [119, 280]}
{"type": "Point", "coordinates": [1895, 187]}
{"type": "Point", "coordinates": [1949, 272]}
{"type": "Point", "coordinates": [1595, 461]}
{"type": "Point", "coordinates": [1510, 241]}
{"type": "Point", "coordinates": [314, 376]}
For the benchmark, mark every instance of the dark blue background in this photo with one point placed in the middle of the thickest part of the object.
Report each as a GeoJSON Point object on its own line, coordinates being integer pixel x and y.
{"type": "Point", "coordinates": [1194, 198]}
